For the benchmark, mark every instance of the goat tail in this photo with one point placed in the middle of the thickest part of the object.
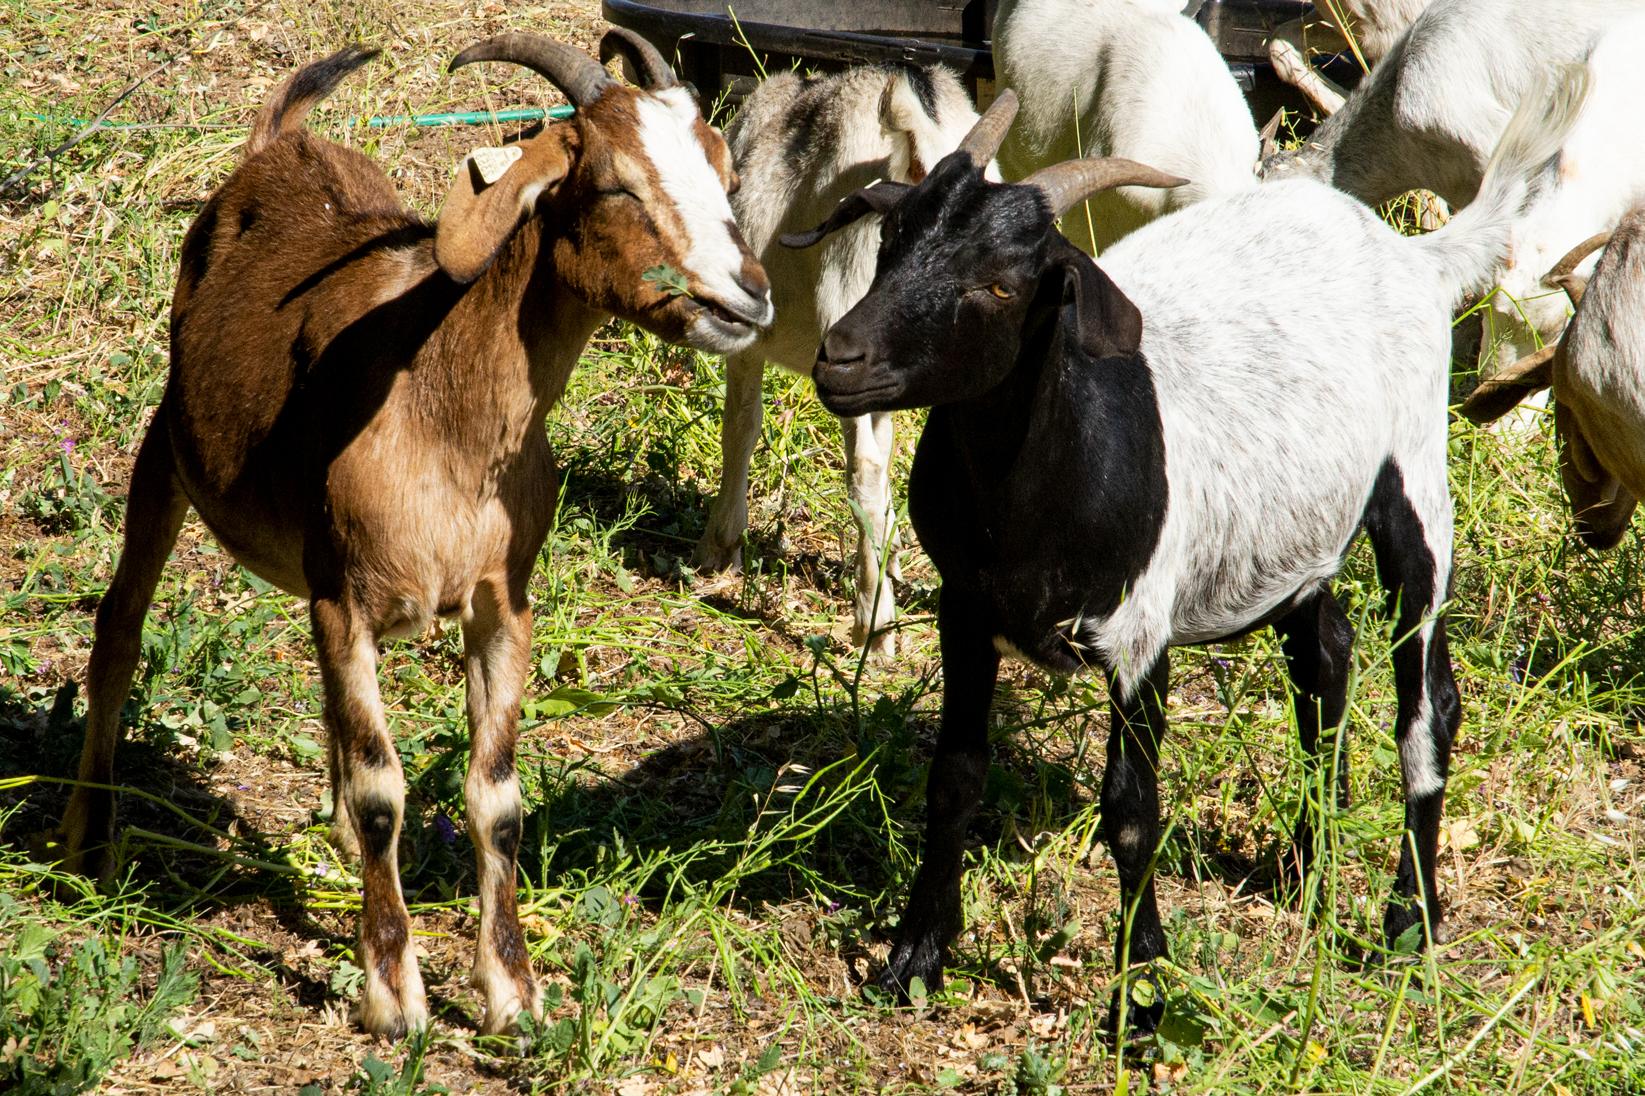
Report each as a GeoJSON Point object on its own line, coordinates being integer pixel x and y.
{"type": "Point", "coordinates": [300, 94]}
{"type": "Point", "coordinates": [1470, 247]}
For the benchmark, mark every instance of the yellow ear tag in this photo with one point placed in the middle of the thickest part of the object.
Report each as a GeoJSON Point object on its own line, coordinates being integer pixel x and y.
{"type": "Point", "coordinates": [492, 162]}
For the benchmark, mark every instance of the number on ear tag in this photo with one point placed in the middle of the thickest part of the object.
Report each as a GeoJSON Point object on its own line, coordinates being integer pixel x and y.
{"type": "Point", "coordinates": [492, 162]}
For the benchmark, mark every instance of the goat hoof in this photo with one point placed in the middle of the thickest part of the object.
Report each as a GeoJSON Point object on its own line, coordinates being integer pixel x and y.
{"type": "Point", "coordinates": [503, 1009]}
{"type": "Point", "coordinates": [344, 839]}
{"type": "Point", "coordinates": [881, 649]}
{"type": "Point", "coordinates": [1140, 1023]}
{"type": "Point", "coordinates": [1401, 917]}
{"type": "Point", "coordinates": [380, 1013]}
{"type": "Point", "coordinates": [83, 843]}
{"type": "Point", "coordinates": [907, 963]}
{"type": "Point", "coordinates": [713, 559]}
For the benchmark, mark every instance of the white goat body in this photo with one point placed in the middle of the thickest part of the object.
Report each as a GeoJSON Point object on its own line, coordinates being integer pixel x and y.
{"type": "Point", "coordinates": [800, 145]}
{"type": "Point", "coordinates": [1297, 431]}
{"type": "Point", "coordinates": [1430, 113]}
{"type": "Point", "coordinates": [1599, 176]}
{"type": "Point", "coordinates": [1129, 78]}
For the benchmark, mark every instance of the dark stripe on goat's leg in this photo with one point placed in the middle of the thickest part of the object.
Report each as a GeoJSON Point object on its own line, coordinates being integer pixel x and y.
{"type": "Point", "coordinates": [1318, 642]}
{"type": "Point", "coordinates": [155, 508]}
{"type": "Point", "coordinates": [497, 648]}
{"type": "Point", "coordinates": [392, 1000]}
{"type": "Point", "coordinates": [1131, 822]}
{"type": "Point", "coordinates": [1430, 709]}
{"type": "Point", "coordinates": [954, 787]}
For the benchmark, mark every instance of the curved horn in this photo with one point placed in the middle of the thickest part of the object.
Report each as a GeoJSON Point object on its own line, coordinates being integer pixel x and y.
{"type": "Point", "coordinates": [654, 73]}
{"type": "Point", "coordinates": [1574, 256]}
{"type": "Point", "coordinates": [571, 70]}
{"type": "Point", "coordinates": [1073, 181]}
{"type": "Point", "coordinates": [1501, 392]}
{"type": "Point", "coordinates": [986, 136]}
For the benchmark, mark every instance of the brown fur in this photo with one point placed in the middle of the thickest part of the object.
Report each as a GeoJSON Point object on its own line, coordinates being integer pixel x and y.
{"type": "Point", "coordinates": [355, 409]}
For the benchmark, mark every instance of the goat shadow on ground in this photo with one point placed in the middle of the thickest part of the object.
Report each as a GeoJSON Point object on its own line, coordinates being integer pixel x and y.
{"type": "Point", "coordinates": [44, 739]}
{"type": "Point", "coordinates": [606, 484]}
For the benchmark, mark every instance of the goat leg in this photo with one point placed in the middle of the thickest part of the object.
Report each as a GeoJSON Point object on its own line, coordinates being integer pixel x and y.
{"type": "Point", "coordinates": [392, 1001]}
{"type": "Point", "coordinates": [1291, 65]}
{"type": "Point", "coordinates": [868, 441]}
{"type": "Point", "coordinates": [155, 509]}
{"type": "Point", "coordinates": [497, 655]}
{"type": "Point", "coordinates": [721, 545]}
{"type": "Point", "coordinates": [1416, 581]}
{"type": "Point", "coordinates": [1318, 643]}
{"type": "Point", "coordinates": [953, 790]}
{"type": "Point", "coordinates": [1131, 823]}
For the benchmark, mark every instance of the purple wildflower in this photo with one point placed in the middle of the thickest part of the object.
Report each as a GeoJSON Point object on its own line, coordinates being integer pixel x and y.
{"type": "Point", "coordinates": [445, 829]}
{"type": "Point", "coordinates": [68, 447]}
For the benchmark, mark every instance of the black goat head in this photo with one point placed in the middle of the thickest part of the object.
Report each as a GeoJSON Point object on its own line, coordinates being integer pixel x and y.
{"type": "Point", "coordinates": [966, 268]}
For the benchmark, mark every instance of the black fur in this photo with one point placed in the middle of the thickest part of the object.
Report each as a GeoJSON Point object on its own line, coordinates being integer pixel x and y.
{"type": "Point", "coordinates": [376, 819]}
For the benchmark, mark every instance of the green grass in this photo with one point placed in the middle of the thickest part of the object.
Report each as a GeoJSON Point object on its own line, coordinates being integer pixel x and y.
{"type": "Point", "coordinates": [724, 813]}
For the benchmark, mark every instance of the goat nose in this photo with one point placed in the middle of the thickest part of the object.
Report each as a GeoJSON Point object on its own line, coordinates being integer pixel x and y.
{"type": "Point", "coordinates": [841, 348]}
{"type": "Point", "coordinates": [754, 283]}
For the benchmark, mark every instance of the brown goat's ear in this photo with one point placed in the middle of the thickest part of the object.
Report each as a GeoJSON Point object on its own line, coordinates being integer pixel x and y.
{"type": "Point", "coordinates": [852, 208]}
{"type": "Point", "coordinates": [1600, 505]}
{"type": "Point", "coordinates": [481, 213]}
{"type": "Point", "coordinates": [1106, 323]}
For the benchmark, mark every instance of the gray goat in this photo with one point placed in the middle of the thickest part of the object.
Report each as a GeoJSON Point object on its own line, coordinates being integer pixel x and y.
{"type": "Point", "coordinates": [800, 145]}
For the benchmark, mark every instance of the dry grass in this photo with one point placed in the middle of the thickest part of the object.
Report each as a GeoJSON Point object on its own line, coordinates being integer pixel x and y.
{"type": "Point", "coordinates": [708, 925]}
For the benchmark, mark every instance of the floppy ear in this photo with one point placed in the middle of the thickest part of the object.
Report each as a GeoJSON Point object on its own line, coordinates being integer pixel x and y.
{"type": "Point", "coordinates": [494, 191]}
{"type": "Point", "coordinates": [1103, 318]}
{"type": "Point", "coordinates": [1601, 505]}
{"type": "Point", "coordinates": [852, 208]}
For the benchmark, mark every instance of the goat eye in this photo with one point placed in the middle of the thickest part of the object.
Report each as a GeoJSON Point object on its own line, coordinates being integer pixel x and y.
{"type": "Point", "coordinates": [1000, 291]}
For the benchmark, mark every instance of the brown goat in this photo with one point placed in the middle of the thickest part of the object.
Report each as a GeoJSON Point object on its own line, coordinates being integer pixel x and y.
{"type": "Point", "coordinates": [356, 408]}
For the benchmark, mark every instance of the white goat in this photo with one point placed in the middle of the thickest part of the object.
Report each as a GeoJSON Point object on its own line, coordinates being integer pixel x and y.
{"type": "Point", "coordinates": [1429, 115]}
{"type": "Point", "coordinates": [1600, 176]}
{"type": "Point", "coordinates": [1375, 25]}
{"type": "Point", "coordinates": [800, 145]}
{"type": "Point", "coordinates": [1128, 78]}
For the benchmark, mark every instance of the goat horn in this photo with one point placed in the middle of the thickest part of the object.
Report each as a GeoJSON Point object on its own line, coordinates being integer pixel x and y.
{"type": "Point", "coordinates": [1574, 256]}
{"type": "Point", "coordinates": [1500, 393]}
{"type": "Point", "coordinates": [1269, 136]}
{"type": "Point", "coordinates": [988, 134]}
{"type": "Point", "coordinates": [654, 73]}
{"type": "Point", "coordinates": [571, 70]}
{"type": "Point", "coordinates": [1073, 181]}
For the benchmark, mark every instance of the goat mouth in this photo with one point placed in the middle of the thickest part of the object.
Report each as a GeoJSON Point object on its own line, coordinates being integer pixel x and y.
{"type": "Point", "coordinates": [725, 316]}
{"type": "Point", "coordinates": [856, 400]}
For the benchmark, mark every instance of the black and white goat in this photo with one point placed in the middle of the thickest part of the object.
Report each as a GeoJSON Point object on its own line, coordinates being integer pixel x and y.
{"type": "Point", "coordinates": [1163, 451]}
{"type": "Point", "coordinates": [1130, 78]}
{"type": "Point", "coordinates": [800, 145]}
